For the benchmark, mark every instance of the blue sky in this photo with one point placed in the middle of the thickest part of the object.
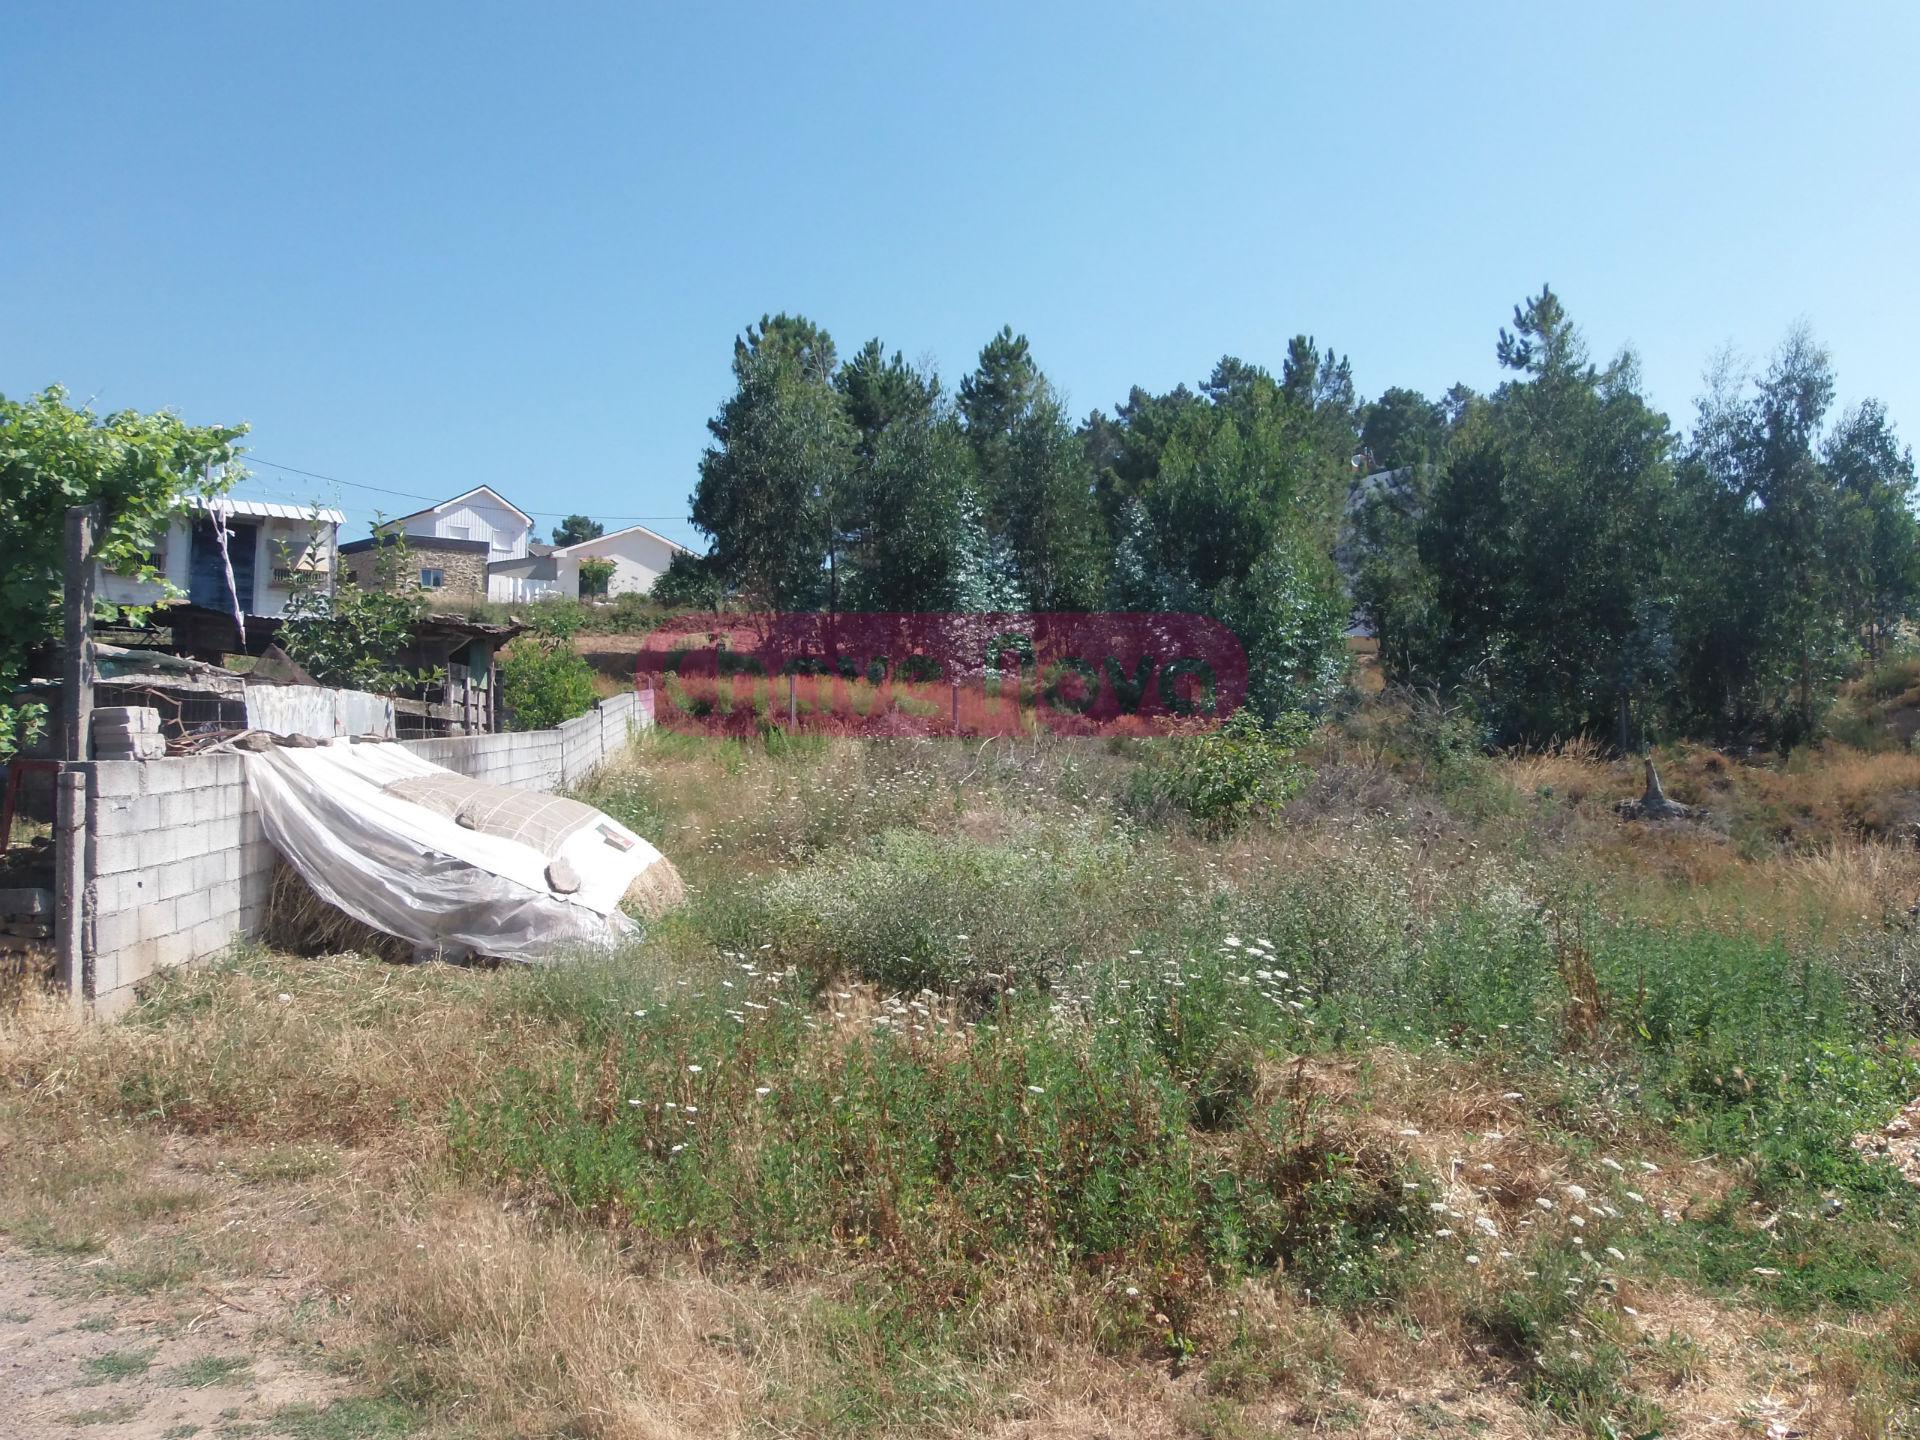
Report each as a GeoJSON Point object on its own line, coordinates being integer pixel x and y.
{"type": "Point", "coordinates": [426, 246]}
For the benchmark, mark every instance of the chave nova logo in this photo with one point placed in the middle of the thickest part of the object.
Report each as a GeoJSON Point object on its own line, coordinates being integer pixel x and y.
{"type": "Point", "coordinates": [1007, 673]}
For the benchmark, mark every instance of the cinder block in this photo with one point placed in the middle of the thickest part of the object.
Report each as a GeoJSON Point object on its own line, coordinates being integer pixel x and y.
{"type": "Point", "coordinates": [208, 871]}
{"type": "Point", "coordinates": [115, 854]}
{"type": "Point", "coordinates": [126, 890]}
{"type": "Point", "coordinates": [118, 778]}
{"type": "Point", "coordinates": [163, 777]}
{"type": "Point", "coordinates": [178, 878]}
{"type": "Point", "coordinates": [114, 1003]}
{"type": "Point", "coordinates": [116, 931]}
{"type": "Point", "coordinates": [171, 950]}
{"type": "Point", "coordinates": [191, 907]}
{"type": "Point", "coordinates": [113, 815]}
{"type": "Point", "coordinates": [212, 936]}
{"type": "Point", "coordinates": [154, 919]}
{"type": "Point", "coordinates": [180, 809]}
{"type": "Point", "coordinates": [171, 880]}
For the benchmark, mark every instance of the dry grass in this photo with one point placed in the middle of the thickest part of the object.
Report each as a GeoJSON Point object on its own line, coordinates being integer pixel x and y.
{"type": "Point", "coordinates": [280, 1049]}
{"type": "Point", "coordinates": [538, 1332]}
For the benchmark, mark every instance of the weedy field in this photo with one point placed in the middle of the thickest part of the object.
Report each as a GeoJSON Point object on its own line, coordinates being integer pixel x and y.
{"type": "Point", "coordinates": [1050, 1089]}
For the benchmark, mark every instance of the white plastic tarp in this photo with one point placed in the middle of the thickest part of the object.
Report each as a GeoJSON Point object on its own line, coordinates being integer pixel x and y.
{"type": "Point", "coordinates": [410, 870]}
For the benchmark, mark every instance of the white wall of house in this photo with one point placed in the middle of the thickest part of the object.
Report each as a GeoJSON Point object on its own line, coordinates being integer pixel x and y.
{"type": "Point", "coordinates": [515, 582]}
{"type": "Point", "coordinates": [481, 515]}
{"type": "Point", "coordinates": [269, 595]}
{"type": "Point", "coordinates": [639, 558]}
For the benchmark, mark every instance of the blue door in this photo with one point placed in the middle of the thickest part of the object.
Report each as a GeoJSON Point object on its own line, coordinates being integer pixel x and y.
{"type": "Point", "coordinates": [207, 578]}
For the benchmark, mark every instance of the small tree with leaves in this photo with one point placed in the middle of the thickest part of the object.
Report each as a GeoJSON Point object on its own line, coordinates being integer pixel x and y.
{"type": "Point", "coordinates": [596, 574]}
{"type": "Point", "coordinates": [543, 680]}
{"type": "Point", "coordinates": [349, 635]}
{"type": "Point", "coordinates": [138, 469]}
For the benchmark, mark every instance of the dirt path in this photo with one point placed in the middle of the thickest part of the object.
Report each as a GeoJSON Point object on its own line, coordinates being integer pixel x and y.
{"type": "Point", "coordinates": [76, 1365]}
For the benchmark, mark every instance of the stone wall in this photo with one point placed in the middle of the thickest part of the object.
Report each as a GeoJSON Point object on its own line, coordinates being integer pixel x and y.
{"type": "Point", "coordinates": [462, 564]}
{"type": "Point", "coordinates": [177, 865]}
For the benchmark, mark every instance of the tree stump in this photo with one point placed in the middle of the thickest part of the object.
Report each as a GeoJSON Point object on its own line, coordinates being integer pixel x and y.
{"type": "Point", "coordinates": [1653, 803]}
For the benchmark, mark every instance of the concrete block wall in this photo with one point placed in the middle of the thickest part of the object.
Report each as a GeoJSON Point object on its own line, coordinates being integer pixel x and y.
{"type": "Point", "coordinates": [178, 865]}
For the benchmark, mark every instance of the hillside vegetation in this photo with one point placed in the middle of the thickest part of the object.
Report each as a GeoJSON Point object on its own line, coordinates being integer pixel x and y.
{"type": "Point", "coordinates": [984, 1087]}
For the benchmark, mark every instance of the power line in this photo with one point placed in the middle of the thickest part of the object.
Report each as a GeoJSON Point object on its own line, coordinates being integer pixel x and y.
{"type": "Point", "coordinates": [410, 495]}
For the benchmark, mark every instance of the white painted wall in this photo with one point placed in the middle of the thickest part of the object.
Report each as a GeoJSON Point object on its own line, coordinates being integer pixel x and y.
{"type": "Point", "coordinates": [475, 518]}
{"type": "Point", "coordinates": [639, 558]}
{"type": "Point", "coordinates": [519, 589]}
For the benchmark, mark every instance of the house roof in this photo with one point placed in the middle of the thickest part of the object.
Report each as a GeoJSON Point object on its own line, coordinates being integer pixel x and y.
{"type": "Point", "coordinates": [267, 509]}
{"type": "Point", "coordinates": [465, 495]}
{"type": "Point", "coordinates": [432, 543]}
{"type": "Point", "coordinates": [585, 546]}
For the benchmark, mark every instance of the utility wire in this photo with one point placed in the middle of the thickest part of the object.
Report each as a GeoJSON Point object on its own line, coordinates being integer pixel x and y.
{"type": "Point", "coordinates": [431, 500]}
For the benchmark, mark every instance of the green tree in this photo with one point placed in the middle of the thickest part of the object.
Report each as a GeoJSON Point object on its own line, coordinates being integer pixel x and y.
{"type": "Point", "coordinates": [1036, 489]}
{"type": "Point", "coordinates": [544, 681]}
{"type": "Point", "coordinates": [1547, 538]}
{"type": "Point", "coordinates": [878, 392]}
{"type": "Point", "coordinates": [1764, 635]}
{"type": "Point", "coordinates": [576, 528]}
{"type": "Point", "coordinates": [923, 523]}
{"type": "Point", "coordinates": [138, 469]}
{"type": "Point", "coordinates": [1880, 557]}
{"type": "Point", "coordinates": [691, 582]}
{"type": "Point", "coordinates": [776, 488]}
{"type": "Point", "coordinates": [1403, 428]}
{"type": "Point", "coordinates": [1218, 529]}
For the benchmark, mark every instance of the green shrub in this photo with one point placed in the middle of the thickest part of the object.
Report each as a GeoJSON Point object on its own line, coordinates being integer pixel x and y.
{"type": "Point", "coordinates": [909, 909]}
{"type": "Point", "coordinates": [1221, 779]}
{"type": "Point", "coordinates": [543, 682]}
{"type": "Point", "coordinates": [726, 1114]}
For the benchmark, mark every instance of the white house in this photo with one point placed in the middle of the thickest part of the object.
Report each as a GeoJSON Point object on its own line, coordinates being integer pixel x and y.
{"type": "Point", "coordinates": [481, 514]}
{"type": "Point", "coordinates": [266, 543]}
{"type": "Point", "coordinates": [639, 556]}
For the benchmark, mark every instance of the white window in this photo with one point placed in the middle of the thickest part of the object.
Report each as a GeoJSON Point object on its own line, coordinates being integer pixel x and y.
{"type": "Point", "coordinates": [459, 532]}
{"type": "Point", "coordinates": [432, 579]}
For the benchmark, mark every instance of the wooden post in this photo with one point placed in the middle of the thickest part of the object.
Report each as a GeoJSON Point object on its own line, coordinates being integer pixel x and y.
{"type": "Point", "coordinates": [793, 700]}
{"type": "Point", "coordinates": [956, 707]}
{"type": "Point", "coordinates": [76, 691]}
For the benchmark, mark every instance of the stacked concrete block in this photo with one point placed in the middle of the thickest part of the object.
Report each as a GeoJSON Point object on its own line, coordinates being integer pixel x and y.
{"type": "Point", "coordinates": [179, 865]}
{"type": "Point", "coordinates": [26, 913]}
{"type": "Point", "coordinates": [127, 732]}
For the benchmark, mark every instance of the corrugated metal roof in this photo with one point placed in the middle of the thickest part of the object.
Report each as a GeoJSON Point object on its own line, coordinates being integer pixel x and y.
{"type": "Point", "coordinates": [270, 509]}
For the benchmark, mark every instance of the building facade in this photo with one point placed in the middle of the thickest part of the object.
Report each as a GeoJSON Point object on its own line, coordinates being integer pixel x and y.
{"type": "Point", "coordinates": [266, 544]}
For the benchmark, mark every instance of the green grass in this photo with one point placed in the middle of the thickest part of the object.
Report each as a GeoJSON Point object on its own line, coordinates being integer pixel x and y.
{"type": "Point", "coordinates": [210, 1370]}
{"type": "Point", "coordinates": [116, 1414]}
{"type": "Point", "coordinates": [357, 1417]}
{"type": "Point", "coordinates": [287, 1163]}
{"type": "Point", "coordinates": [117, 1365]}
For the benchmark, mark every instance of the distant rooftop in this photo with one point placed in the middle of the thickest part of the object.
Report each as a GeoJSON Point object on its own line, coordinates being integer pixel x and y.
{"type": "Point", "coordinates": [268, 509]}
